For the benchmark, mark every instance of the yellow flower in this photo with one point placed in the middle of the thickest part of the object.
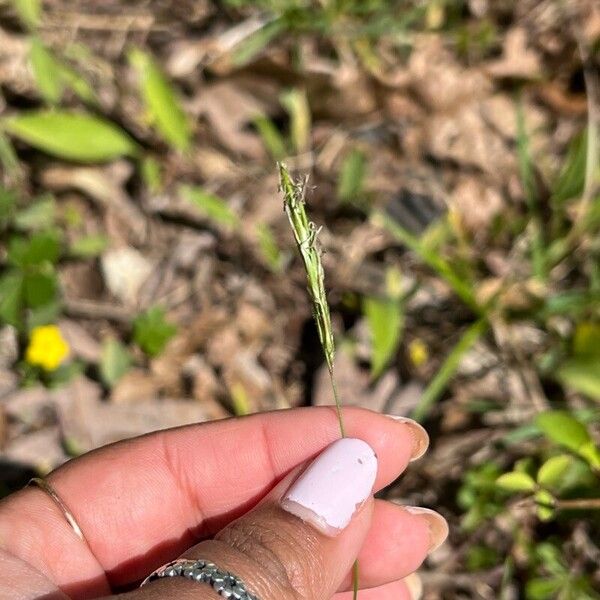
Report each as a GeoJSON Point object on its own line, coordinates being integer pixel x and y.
{"type": "Point", "coordinates": [47, 347]}
{"type": "Point", "coordinates": [418, 352]}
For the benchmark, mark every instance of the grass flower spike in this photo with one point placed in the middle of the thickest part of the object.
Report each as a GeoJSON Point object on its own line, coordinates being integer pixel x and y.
{"type": "Point", "coordinates": [306, 232]}
{"type": "Point", "coordinates": [47, 348]}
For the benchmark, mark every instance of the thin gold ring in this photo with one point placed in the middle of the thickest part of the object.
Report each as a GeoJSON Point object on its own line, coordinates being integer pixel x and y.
{"type": "Point", "coordinates": [46, 487]}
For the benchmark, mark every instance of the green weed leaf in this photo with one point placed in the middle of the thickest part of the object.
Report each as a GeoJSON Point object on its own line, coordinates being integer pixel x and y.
{"type": "Point", "coordinates": [271, 138]}
{"type": "Point", "coordinates": [115, 361]}
{"type": "Point", "coordinates": [257, 41]}
{"type": "Point", "coordinates": [515, 482]}
{"type": "Point", "coordinates": [586, 341]}
{"type": "Point", "coordinates": [352, 175]}
{"type": "Point", "coordinates": [89, 246]}
{"type": "Point", "coordinates": [151, 331]}
{"type": "Point", "coordinates": [39, 215]}
{"type": "Point", "coordinates": [385, 318]}
{"type": "Point", "coordinates": [211, 206]}
{"type": "Point", "coordinates": [269, 248]}
{"type": "Point", "coordinates": [295, 103]}
{"type": "Point", "coordinates": [38, 249]}
{"type": "Point", "coordinates": [164, 108]}
{"type": "Point", "coordinates": [40, 289]}
{"type": "Point", "coordinates": [545, 502]}
{"type": "Point", "coordinates": [542, 589]}
{"type": "Point", "coordinates": [72, 136]}
{"type": "Point", "coordinates": [563, 429]}
{"type": "Point", "coordinates": [570, 181]}
{"type": "Point", "coordinates": [29, 12]}
{"type": "Point", "coordinates": [552, 472]}
{"type": "Point", "coordinates": [46, 72]}
{"type": "Point", "coordinates": [11, 298]}
{"type": "Point", "coordinates": [582, 374]}
{"type": "Point", "coordinates": [8, 205]}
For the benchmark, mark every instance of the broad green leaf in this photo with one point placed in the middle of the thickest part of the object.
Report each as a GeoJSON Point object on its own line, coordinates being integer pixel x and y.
{"type": "Point", "coordinates": [591, 453]}
{"type": "Point", "coordinates": [586, 341]}
{"type": "Point", "coordinates": [351, 177]}
{"type": "Point", "coordinates": [11, 298]}
{"type": "Point", "coordinates": [563, 429]}
{"type": "Point", "coordinates": [516, 482]}
{"type": "Point", "coordinates": [46, 72]}
{"type": "Point", "coordinates": [295, 103]}
{"type": "Point", "coordinates": [72, 136]}
{"type": "Point", "coordinates": [161, 101]}
{"type": "Point", "coordinates": [115, 361]}
{"type": "Point", "coordinates": [43, 315]}
{"type": "Point", "coordinates": [89, 246]}
{"type": "Point", "coordinates": [552, 472]}
{"type": "Point", "coordinates": [151, 331]}
{"type": "Point", "coordinates": [582, 374]}
{"type": "Point", "coordinates": [40, 289]}
{"type": "Point", "coordinates": [211, 206]}
{"type": "Point", "coordinates": [271, 138]}
{"type": "Point", "coordinates": [36, 250]}
{"type": "Point", "coordinates": [269, 248]}
{"type": "Point", "coordinates": [569, 183]}
{"type": "Point", "coordinates": [29, 12]}
{"type": "Point", "coordinates": [542, 588]}
{"type": "Point", "coordinates": [39, 215]}
{"type": "Point", "coordinates": [385, 318]}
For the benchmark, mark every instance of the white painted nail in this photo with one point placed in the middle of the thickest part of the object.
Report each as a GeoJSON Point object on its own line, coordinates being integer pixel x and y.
{"type": "Point", "coordinates": [334, 486]}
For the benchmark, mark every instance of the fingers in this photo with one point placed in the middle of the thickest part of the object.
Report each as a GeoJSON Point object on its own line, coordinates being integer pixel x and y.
{"type": "Point", "coordinates": [410, 588]}
{"type": "Point", "coordinates": [141, 502]}
{"type": "Point", "coordinates": [398, 541]}
{"type": "Point", "coordinates": [303, 539]}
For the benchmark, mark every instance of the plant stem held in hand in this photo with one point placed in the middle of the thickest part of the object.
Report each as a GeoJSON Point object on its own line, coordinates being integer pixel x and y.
{"type": "Point", "coordinates": [305, 233]}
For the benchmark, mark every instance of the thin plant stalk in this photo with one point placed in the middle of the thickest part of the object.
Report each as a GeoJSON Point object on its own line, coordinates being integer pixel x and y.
{"type": "Point", "coordinates": [305, 233]}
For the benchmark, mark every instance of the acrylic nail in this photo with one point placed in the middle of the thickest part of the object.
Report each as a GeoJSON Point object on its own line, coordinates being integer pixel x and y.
{"type": "Point", "coordinates": [438, 526]}
{"type": "Point", "coordinates": [334, 486]}
{"type": "Point", "coordinates": [414, 585]}
{"type": "Point", "coordinates": [419, 435]}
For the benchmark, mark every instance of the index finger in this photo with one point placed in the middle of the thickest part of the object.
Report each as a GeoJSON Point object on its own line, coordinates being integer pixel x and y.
{"type": "Point", "coordinates": [142, 501]}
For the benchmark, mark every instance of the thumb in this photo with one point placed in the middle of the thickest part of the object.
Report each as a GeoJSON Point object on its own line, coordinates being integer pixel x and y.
{"type": "Point", "coordinates": [300, 542]}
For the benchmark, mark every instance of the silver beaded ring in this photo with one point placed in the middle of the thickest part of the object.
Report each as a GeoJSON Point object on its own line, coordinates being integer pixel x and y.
{"type": "Point", "coordinates": [223, 582]}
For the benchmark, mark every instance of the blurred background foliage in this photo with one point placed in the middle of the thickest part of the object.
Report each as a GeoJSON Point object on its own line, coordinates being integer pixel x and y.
{"type": "Point", "coordinates": [148, 277]}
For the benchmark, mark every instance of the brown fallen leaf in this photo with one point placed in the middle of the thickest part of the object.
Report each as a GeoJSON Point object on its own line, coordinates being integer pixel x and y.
{"type": "Point", "coordinates": [518, 59]}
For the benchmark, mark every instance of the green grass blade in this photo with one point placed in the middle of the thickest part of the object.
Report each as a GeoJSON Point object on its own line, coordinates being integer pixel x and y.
{"type": "Point", "coordinates": [430, 258]}
{"type": "Point", "coordinates": [528, 182]}
{"type": "Point", "coordinates": [438, 384]}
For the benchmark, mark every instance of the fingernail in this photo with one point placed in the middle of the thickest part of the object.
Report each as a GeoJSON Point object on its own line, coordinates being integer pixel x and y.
{"type": "Point", "coordinates": [419, 435]}
{"type": "Point", "coordinates": [415, 586]}
{"type": "Point", "coordinates": [332, 488]}
{"type": "Point", "coordinates": [438, 526]}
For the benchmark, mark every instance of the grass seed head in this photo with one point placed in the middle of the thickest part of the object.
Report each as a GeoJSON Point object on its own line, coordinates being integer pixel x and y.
{"type": "Point", "coordinates": [305, 233]}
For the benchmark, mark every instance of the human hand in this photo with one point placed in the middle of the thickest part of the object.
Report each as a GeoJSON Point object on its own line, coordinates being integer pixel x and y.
{"type": "Point", "coordinates": [214, 491]}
